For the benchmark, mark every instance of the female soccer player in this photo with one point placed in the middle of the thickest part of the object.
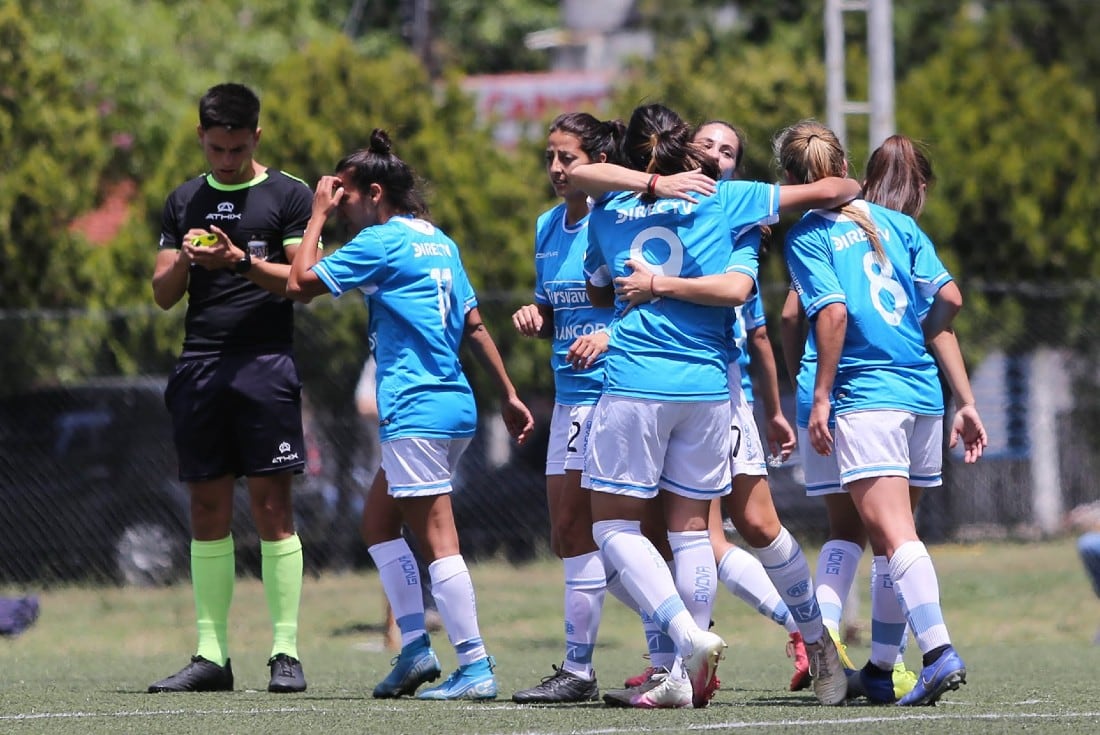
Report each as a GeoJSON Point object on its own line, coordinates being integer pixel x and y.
{"type": "Point", "coordinates": [661, 421]}
{"type": "Point", "coordinates": [563, 313]}
{"type": "Point", "coordinates": [861, 276]}
{"type": "Point", "coordinates": [422, 308]}
{"type": "Point", "coordinates": [741, 572]}
{"type": "Point", "coordinates": [898, 176]}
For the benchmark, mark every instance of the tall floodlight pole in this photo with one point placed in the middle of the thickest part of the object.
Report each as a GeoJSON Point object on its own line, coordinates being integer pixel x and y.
{"type": "Point", "coordinates": [880, 54]}
{"type": "Point", "coordinates": [880, 59]}
{"type": "Point", "coordinates": [835, 94]}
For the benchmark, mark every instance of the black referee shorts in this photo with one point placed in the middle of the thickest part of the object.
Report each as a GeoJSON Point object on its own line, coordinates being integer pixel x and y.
{"type": "Point", "coordinates": [238, 414]}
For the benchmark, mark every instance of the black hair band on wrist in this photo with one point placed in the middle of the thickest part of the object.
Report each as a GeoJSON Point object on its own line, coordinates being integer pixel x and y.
{"type": "Point", "coordinates": [651, 187]}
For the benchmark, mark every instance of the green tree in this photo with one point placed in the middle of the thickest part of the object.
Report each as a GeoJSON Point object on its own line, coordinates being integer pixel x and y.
{"type": "Point", "coordinates": [51, 145]}
{"type": "Point", "coordinates": [1015, 152]}
{"type": "Point", "coordinates": [323, 103]}
{"type": "Point", "coordinates": [473, 36]}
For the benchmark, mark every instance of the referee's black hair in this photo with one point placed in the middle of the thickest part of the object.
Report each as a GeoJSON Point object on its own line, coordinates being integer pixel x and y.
{"type": "Point", "coordinates": [230, 106]}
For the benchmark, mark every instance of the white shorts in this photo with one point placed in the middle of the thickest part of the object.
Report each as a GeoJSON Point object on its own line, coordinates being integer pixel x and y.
{"type": "Point", "coordinates": [822, 476]}
{"type": "Point", "coordinates": [419, 467]}
{"type": "Point", "coordinates": [638, 447]}
{"type": "Point", "coordinates": [746, 450]}
{"type": "Point", "coordinates": [890, 443]}
{"type": "Point", "coordinates": [569, 430]}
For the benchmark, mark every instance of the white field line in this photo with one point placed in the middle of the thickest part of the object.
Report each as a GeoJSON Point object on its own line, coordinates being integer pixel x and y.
{"type": "Point", "coordinates": [153, 713]}
{"type": "Point", "coordinates": [923, 716]}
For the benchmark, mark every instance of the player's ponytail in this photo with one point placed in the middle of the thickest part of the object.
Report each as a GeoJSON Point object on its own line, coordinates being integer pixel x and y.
{"type": "Point", "coordinates": [808, 151]}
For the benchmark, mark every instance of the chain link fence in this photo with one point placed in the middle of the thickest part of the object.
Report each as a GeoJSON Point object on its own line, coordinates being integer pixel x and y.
{"type": "Point", "coordinates": [88, 486]}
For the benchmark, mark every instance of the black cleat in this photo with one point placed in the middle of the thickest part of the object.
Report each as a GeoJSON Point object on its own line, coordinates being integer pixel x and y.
{"type": "Point", "coordinates": [286, 674]}
{"type": "Point", "coordinates": [201, 675]}
{"type": "Point", "coordinates": [560, 687]}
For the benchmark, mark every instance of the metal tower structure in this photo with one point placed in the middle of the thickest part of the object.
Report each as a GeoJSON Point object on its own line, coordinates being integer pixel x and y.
{"type": "Point", "coordinates": [880, 59]}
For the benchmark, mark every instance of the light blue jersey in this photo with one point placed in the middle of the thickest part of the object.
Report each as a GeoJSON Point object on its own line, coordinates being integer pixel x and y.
{"type": "Point", "coordinates": [418, 295]}
{"type": "Point", "coordinates": [750, 316]}
{"type": "Point", "coordinates": [804, 383]}
{"type": "Point", "coordinates": [559, 283]}
{"type": "Point", "coordinates": [668, 349]}
{"type": "Point", "coordinates": [884, 362]}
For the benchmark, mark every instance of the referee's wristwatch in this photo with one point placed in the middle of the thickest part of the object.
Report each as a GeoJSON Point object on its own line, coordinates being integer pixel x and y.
{"type": "Point", "coordinates": [244, 265]}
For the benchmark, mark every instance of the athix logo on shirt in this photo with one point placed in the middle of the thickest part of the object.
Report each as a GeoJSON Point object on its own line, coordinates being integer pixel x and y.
{"type": "Point", "coordinates": [225, 212]}
{"type": "Point", "coordinates": [284, 455]}
{"type": "Point", "coordinates": [647, 210]}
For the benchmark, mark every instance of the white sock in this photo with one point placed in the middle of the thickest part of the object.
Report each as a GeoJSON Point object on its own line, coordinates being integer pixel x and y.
{"type": "Point", "coordinates": [646, 577]}
{"type": "Point", "coordinates": [614, 585]}
{"type": "Point", "coordinates": [744, 576]}
{"type": "Point", "coordinates": [453, 591]}
{"type": "Point", "coordinates": [786, 566]}
{"type": "Point", "coordinates": [837, 565]}
{"type": "Point", "coordinates": [694, 572]}
{"type": "Point", "coordinates": [585, 584]}
{"type": "Point", "coordinates": [916, 583]}
{"type": "Point", "coordinates": [400, 579]}
{"type": "Point", "coordinates": [660, 647]}
{"type": "Point", "coordinates": [887, 616]}
{"type": "Point", "coordinates": [662, 651]}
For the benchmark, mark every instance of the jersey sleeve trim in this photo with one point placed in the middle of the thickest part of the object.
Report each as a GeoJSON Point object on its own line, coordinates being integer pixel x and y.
{"type": "Point", "coordinates": [326, 278]}
{"type": "Point", "coordinates": [824, 300]}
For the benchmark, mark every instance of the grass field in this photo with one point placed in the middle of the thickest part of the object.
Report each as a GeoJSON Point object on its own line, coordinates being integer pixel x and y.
{"type": "Point", "coordinates": [1022, 616]}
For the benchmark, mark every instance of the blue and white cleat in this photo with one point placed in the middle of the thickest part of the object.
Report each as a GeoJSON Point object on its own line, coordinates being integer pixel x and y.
{"type": "Point", "coordinates": [416, 664]}
{"type": "Point", "coordinates": [472, 681]}
{"type": "Point", "coordinates": [945, 673]}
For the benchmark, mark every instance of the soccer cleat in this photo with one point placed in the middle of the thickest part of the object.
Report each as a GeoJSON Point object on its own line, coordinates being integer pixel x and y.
{"type": "Point", "coordinates": [875, 684]}
{"type": "Point", "coordinates": [829, 680]}
{"type": "Point", "coordinates": [623, 697]}
{"type": "Point", "coordinates": [945, 673]}
{"type": "Point", "coordinates": [201, 675]}
{"type": "Point", "coordinates": [286, 674]}
{"type": "Point", "coordinates": [472, 681]}
{"type": "Point", "coordinates": [701, 664]}
{"type": "Point", "coordinates": [904, 680]}
{"type": "Point", "coordinates": [796, 650]}
{"type": "Point", "coordinates": [412, 667]}
{"type": "Point", "coordinates": [641, 678]}
{"type": "Point", "coordinates": [561, 686]}
{"type": "Point", "coordinates": [668, 692]}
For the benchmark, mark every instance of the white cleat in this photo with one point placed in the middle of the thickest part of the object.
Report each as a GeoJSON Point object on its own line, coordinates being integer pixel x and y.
{"type": "Point", "coordinates": [830, 681]}
{"type": "Point", "coordinates": [707, 649]}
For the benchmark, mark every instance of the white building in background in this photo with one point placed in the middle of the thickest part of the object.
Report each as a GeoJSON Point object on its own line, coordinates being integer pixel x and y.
{"type": "Point", "coordinates": [586, 51]}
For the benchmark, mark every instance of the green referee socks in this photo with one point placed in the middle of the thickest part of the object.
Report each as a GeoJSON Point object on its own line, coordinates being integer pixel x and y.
{"type": "Point", "coordinates": [282, 577]}
{"type": "Point", "coordinates": [213, 572]}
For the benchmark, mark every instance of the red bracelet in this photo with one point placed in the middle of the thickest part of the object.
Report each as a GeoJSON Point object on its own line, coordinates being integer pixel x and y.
{"type": "Point", "coordinates": [651, 291]}
{"type": "Point", "coordinates": [651, 187]}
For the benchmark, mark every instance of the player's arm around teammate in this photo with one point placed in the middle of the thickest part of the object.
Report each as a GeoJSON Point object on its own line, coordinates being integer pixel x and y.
{"type": "Point", "coordinates": [876, 368]}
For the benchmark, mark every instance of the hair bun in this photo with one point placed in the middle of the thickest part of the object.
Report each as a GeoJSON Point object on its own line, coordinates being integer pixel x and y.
{"type": "Point", "coordinates": [380, 142]}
